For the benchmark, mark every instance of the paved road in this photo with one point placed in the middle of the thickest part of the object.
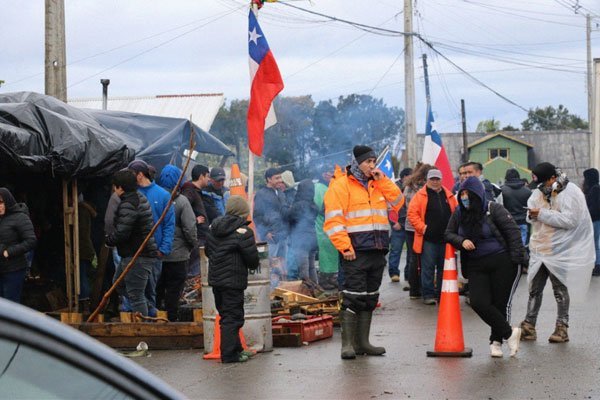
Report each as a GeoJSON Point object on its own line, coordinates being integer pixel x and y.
{"type": "Point", "coordinates": [407, 329]}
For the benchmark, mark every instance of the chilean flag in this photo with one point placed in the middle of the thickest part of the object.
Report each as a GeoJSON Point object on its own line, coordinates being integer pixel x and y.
{"type": "Point", "coordinates": [266, 84]}
{"type": "Point", "coordinates": [434, 152]}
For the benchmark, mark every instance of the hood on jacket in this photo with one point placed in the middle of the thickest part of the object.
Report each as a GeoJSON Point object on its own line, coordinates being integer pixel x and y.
{"type": "Point", "coordinates": [474, 185]}
{"type": "Point", "coordinates": [169, 177]}
{"type": "Point", "coordinates": [226, 224]}
{"type": "Point", "coordinates": [305, 191]}
{"type": "Point", "coordinates": [591, 177]}
{"type": "Point", "coordinates": [7, 198]}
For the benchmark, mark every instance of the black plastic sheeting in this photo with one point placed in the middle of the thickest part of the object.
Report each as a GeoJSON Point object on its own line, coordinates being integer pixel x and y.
{"type": "Point", "coordinates": [40, 134]}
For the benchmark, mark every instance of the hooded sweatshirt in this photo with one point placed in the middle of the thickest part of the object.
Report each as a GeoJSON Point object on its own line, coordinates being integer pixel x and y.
{"type": "Point", "coordinates": [486, 244]}
{"type": "Point", "coordinates": [185, 237]}
{"type": "Point", "coordinates": [514, 198]}
{"type": "Point", "coordinates": [592, 192]}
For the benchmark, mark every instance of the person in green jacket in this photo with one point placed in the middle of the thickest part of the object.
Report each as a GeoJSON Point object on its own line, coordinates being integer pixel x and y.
{"type": "Point", "coordinates": [328, 255]}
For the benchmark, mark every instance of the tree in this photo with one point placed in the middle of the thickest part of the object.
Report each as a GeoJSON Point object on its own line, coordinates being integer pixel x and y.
{"type": "Point", "coordinates": [509, 128]}
{"type": "Point", "coordinates": [488, 126]}
{"type": "Point", "coordinates": [230, 126]}
{"type": "Point", "coordinates": [550, 118]}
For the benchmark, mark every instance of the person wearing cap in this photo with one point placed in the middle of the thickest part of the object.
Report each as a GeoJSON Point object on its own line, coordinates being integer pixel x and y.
{"type": "Point", "coordinates": [429, 212]}
{"type": "Point", "coordinates": [175, 265]}
{"type": "Point", "coordinates": [356, 209]}
{"type": "Point", "coordinates": [514, 198]}
{"type": "Point", "coordinates": [561, 248]}
{"type": "Point", "coordinates": [491, 252]}
{"type": "Point", "coordinates": [231, 252]}
{"type": "Point", "coordinates": [159, 199]}
{"type": "Point", "coordinates": [398, 236]}
{"type": "Point", "coordinates": [216, 191]}
{"type": "Point", "coordinates": [270, 216]}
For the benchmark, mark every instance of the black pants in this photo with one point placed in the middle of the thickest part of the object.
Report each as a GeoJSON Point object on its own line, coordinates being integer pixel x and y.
{"type": "Point", "coordinates": [230, 304]}
{"type": "Point", "coordinates": [170, 285]}
{"type": "Point", "coordinates": [362, 280]}
{"type": "Point", "coordinates": [492, 283]}
{"type": "Point", "coordinates": [414, 272]}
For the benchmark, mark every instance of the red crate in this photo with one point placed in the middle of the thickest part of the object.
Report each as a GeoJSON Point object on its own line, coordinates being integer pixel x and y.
{"type": "Point", "coordinates": [311, 329]}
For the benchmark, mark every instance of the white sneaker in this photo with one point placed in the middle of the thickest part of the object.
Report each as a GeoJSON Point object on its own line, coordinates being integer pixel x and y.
{"type": "Point", "coordinates": [513, 341]}
{"type": "Point", "coordinates": [496, 349]}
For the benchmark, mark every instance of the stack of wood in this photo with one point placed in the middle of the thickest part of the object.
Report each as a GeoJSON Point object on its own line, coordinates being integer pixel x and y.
{"type": "Point", "coordinates": [290, 303]}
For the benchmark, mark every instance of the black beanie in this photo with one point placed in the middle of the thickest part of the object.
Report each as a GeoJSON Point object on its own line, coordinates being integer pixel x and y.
{"type": "Point", "coordinates": [544, 171]}
{"type": "Point", "coordinates": [7, 197]}
{"type": "Point", "coordinates": [361, 153]}
{"type": "Point", "coordinates": [591, 176]}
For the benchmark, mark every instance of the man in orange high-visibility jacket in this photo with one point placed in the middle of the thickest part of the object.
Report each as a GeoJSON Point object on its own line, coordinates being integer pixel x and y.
{"type": "Point", "coordinates": [356, 206]}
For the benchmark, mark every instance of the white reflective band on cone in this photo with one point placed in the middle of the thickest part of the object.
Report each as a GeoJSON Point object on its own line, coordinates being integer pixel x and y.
{"type": "Point", "coordinates": [450, 264]}
{"type": "Point", "coordinates": [450, 286]}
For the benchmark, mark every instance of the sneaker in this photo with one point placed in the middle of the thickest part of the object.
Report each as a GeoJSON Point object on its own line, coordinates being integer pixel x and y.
{"type": "Point", "coordinates": [395, 278]}
{"type": "Point", "coordinates": [560, 334]}
{"type": "Point", "coordinates": [496, 349]}
{"type": "Point", "coordinates": [430, 301]}
{"type": "Point", "coordinates": [528, 331]}
{"type": "Point", "coordinates": [242, 358]}
{"type": "Point", "coordinates": [513, 341]}
{"type": "Point", "coordinates": [247, 353]}
{"type": "Point", "coordinates": [414, 296]}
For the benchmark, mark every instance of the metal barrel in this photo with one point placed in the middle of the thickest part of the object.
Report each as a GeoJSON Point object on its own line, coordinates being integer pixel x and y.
{"type": "Point", "coordinates": [257, 305]}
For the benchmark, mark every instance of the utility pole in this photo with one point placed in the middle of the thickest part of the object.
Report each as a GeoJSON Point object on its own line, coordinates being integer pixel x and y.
{"type": "Point", "coordinates": [105, 83]}
{"type": "Point", "coordinates": [465, 155]}
{"type": "Point", "coordinates": [427, 92]}
{"type": "Point", "coordinates": [409, 86]}
{"type": "Point", "coordinates": [595, 137]}
{"type": "Point", "coordinates": [55, 54]}
{"type": "Point", "coordinates": [590, 87]}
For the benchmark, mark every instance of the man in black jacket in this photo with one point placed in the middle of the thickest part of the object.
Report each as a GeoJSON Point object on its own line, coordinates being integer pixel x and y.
{"type": "Point", "coordinates": [591, 189]}
{"type": "Point", "coordinates": [231, 251]}
{"type": "Point", "coordinates": [514, 198]}
{"type": "Point", "coordinates": [133, 222]}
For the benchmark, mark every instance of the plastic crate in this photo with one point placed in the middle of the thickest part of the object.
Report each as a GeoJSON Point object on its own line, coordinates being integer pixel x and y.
{"type": "Point", "coordinates": [311, 329]}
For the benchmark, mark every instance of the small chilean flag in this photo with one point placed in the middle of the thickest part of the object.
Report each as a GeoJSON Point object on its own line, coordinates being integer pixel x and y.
{"type": "Point", "coordinates": [266, 83]}
{"type": "Point", "coordinates": [434, 152]}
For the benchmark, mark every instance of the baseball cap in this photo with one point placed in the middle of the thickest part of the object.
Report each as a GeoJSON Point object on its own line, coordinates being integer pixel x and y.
{"type": "Point", "coordinates": [139, 166]}
{"type": "Point", "coordinates": [434, 173]}
{"type": "Point", "coordinates": [217, 173]}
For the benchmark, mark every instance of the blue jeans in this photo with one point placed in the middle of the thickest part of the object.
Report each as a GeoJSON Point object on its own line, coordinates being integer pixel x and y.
{"type": "Point", "coordinates": [432, 262]}
{"type": "Point", "coordinates": [397, 240]}
{"type": "Point", "coordinates": [11, 285]}
{"type": "Point", "coordinates": [84, 281]}
{"type": "Point", "coordinates": [135, 282]}
{"type": "Point", "coordinates": [597, 240]}
{"type": "Point", "coordinates": [151, 286]}
{"type": "Point", "coordinates": [524, 232]}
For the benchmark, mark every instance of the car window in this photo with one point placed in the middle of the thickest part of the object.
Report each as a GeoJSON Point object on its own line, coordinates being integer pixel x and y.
{"type": "Point", "coordinates": [27, 373]}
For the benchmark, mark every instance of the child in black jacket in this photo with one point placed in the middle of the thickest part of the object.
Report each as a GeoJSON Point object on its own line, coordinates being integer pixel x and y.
{"type": "Point", "coordinates": [231, 251]}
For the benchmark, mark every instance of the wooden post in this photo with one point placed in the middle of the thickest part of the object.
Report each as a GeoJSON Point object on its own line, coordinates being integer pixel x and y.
{"type": "Point", "coordinates": [67, 218]}
{"type": "Point", "coordinates": [71, 237]}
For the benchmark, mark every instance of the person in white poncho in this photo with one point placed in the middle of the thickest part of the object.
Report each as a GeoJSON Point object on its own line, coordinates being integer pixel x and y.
{"type": "Point", "coordinates": [561, 248]}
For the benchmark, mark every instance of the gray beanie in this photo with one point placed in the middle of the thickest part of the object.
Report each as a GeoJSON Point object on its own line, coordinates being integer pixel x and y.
{"type": "Point", "coordinates": [237, 205]}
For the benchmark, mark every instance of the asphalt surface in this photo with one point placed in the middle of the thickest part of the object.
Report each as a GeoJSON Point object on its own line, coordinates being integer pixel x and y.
{"type": "Point", "coordinates": [407, 329]}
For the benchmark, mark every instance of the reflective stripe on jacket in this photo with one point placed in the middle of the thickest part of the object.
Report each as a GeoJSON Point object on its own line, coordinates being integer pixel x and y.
{"type": "Point", "coordinates": [416, 214]}
{"type": "Point", "coordinates": [356, 218]}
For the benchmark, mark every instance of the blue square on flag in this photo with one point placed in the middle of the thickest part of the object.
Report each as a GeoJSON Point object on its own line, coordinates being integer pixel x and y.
{"type": "Point", "coordinates": [385, 164]}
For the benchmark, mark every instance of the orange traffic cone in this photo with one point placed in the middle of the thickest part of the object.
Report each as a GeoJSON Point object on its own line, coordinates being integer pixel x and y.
{"type": "Point", "coordinates": [236, 184]}
{"type": "Point", "coordinates": [449, 341]}
{"type": "Point", "coordinates": [215, 354]}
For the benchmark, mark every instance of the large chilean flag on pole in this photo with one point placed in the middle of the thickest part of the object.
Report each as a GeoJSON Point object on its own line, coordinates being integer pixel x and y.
{"type": "Point", "coordinates": [434, 152]}
{"type": "Point", "coordinates": [266, 83]}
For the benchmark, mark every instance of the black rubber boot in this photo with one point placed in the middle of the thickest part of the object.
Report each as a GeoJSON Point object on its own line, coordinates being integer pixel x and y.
{"type": "Point", "coordinates": [348, 324]}
{"type": "Point", "coordinates": [363, 346]}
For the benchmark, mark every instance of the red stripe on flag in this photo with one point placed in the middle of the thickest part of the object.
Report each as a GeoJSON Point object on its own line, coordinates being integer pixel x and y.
{"type": "Point", "coordinates": [267, 83]}
{"type": "Point", "coordinates": [443, 164]}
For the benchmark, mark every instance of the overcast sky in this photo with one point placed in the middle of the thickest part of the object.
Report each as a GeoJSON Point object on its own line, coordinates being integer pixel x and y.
{"type": "Point", "coordinates": [532, 52]}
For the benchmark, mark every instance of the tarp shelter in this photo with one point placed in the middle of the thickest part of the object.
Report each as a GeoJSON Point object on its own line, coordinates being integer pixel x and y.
{"type": "Point", "coordinates": [39, 133]}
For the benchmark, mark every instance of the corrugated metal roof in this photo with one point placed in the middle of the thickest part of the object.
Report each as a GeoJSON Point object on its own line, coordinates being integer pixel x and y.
{"type": "Point", "coordinates": [202, 107]}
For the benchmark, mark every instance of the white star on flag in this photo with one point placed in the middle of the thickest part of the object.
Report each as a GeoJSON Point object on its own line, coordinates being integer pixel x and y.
{"type": "Point", "coordinates": [388, 165]}
{"type": "Point", "coordinates": [254, 36]}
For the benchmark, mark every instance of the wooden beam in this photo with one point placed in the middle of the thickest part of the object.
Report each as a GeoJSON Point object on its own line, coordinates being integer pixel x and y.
{"type": "Point", "coordinates": [171, 329]}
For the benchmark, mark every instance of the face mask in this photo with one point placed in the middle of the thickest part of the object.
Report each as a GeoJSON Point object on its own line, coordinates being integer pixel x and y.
{"type": "Point", "coordinates": [465, 202]}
